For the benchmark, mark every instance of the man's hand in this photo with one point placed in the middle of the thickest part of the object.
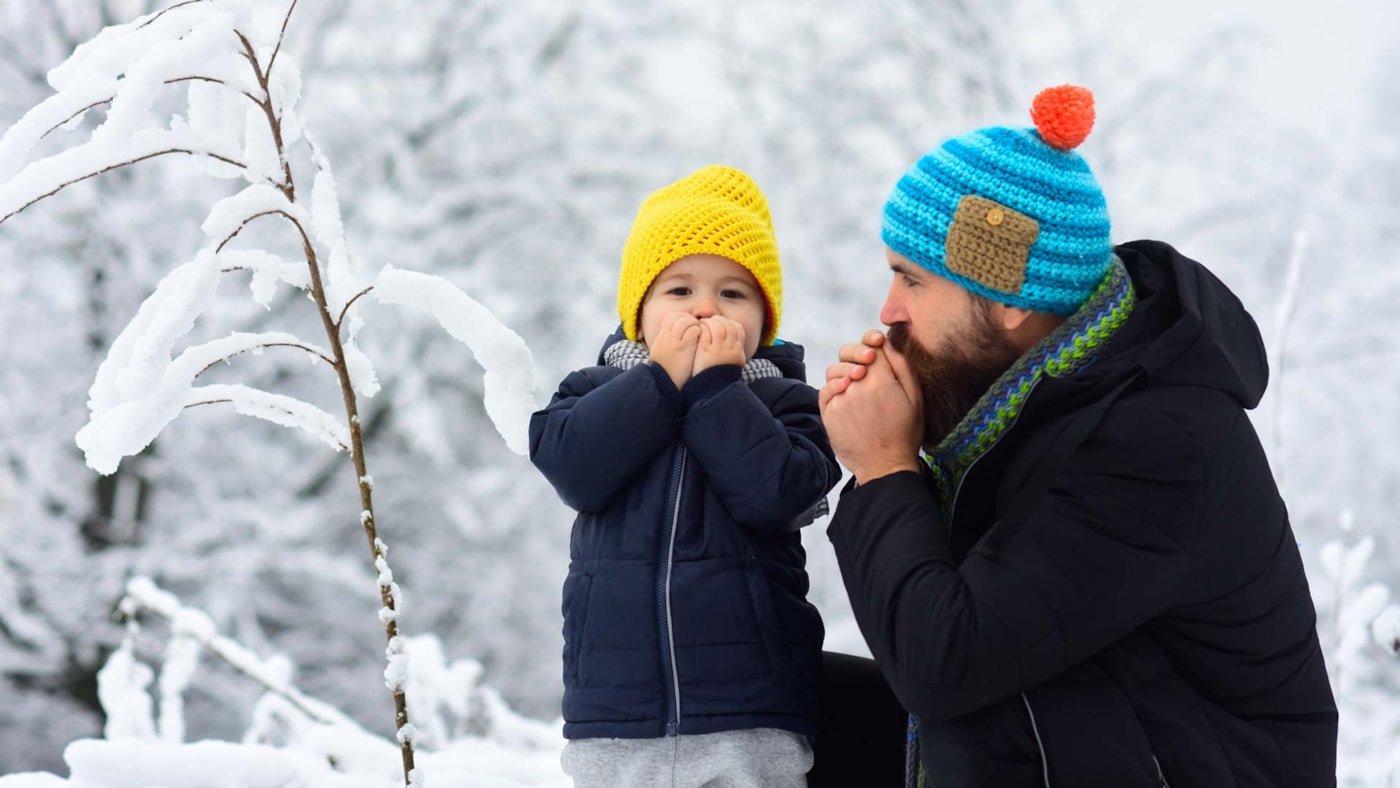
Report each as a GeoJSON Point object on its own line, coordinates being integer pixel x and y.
{"type": "Point", "coordinates": [872, 409]}
{"type": "Point", "coordinates": [674, 347]}
{"type": "Point", "coordinates": [721, 342]}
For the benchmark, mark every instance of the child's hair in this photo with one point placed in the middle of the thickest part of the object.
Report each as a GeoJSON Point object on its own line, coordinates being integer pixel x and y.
{"type": "Point", "coordinates": [715, 210]}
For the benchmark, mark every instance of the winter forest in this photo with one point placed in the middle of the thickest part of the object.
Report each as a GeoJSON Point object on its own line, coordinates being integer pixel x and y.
{"type": "Point", "coordinates": [188, 595]}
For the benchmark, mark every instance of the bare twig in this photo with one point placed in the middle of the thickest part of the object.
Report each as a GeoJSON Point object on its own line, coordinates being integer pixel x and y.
{"type": "Point", "coordinates": [249, 220]}
{"type": "Point", "coordinates": [309, 349]}
{"type": "Point", "coordinates": [281, 35]}
{"type": "Point", "coordinates": [165, 11]}
{"type": "Point", "coordinates": [66, 184]}
{"type": "Point", "coordinates": [273, 122]}
{"type": "Point", "coordinates": [340, 320]}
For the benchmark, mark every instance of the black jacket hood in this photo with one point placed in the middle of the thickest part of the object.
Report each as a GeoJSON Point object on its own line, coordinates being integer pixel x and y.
{"type": "Point", "coordinates": [1188, 328]}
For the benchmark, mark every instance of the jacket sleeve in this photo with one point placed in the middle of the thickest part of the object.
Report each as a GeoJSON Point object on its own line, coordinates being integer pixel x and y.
{"type": "Point", "coordinates": [766, 465]}
{"type": "Point", "coordinates": [594, 436]}
{"type": "Point", "coordinates": [1099, 557]}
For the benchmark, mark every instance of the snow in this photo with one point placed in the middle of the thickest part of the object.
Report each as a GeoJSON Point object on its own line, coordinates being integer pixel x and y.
{"type": "Point", "coordinates": [130, 401]}
{"type": "Point", "coordinates": [510, 373]}
{"type": "Point", "coordinates": [396, 673]}
{"type": "Point", "coordinates": [1386, 630]}
{"type": "Point", "coordinates": [121, 688]}
{"type": "Point", "coordinates": [278, 409]}
{"type": "Point", "coordinates": [148, 58]}
{"type": "Point", "coordinates": [267, 269]}
{"type": "Point", "coordinates": [341, 284]}
{"type": "Point", "coordinates": [361, 369]}
{"type": "Point", "coordinates": [231, 213]}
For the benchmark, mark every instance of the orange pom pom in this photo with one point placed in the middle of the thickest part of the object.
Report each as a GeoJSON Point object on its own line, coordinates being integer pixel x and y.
{"type": "Point", "coordinates": [1063, 115]}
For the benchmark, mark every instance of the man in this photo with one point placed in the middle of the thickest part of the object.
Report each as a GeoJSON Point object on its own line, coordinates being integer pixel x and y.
{"type": "Point", "coordinates": [1089, 577]}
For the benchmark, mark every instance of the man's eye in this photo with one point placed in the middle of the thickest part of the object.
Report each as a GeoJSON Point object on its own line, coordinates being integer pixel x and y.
{"type": "Point", "coordinates": [909, 281]}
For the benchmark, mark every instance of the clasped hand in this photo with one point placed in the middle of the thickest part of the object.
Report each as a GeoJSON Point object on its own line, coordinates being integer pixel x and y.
{"type": "Point", "coordinates": [686, 345]}
{"type": "Point", "coordinates": [872, 408]}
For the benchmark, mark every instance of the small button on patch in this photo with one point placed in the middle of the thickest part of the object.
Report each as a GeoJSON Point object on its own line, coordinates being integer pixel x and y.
{"type": "Point", "coordinates": [995, 217]}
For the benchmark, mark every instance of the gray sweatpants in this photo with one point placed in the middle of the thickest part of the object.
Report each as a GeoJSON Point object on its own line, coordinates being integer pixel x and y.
{"type": "Point", "coordinates": [757, 758]}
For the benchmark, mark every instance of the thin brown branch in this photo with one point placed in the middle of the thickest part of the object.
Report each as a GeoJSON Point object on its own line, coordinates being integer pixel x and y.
{"type": "Point", "coordinates": [66, 184]}
{"type": "Point", "coordinates": [309, 349]}
{"type": "Point", "coordinates": [206, 402]}
{"type": "Point", "coordinates": [164, 11]}
{"type": "Point", "coordinates": [59, 125]}
{"type": "Point", "coordinates": [281, 35]}
{"type": "Point", "coordinates": [274, 123]}
{"type": "Point", "coordinates": [348, 304]}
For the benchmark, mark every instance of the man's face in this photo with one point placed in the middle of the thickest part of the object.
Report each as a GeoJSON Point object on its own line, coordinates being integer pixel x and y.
{"type": "Point", "coordinates": [952, 341]}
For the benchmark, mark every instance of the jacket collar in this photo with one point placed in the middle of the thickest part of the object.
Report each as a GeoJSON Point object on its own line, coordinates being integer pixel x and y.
{"type": "Point", "coordinates": [1074, 345]}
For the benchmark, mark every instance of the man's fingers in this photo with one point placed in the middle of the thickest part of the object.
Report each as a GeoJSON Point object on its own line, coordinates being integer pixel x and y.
{"type": "Point", "coordinates": [831, 389]}
{"type": "Point", "coordinates": [856, 354]}
{"type": "Point", "coordinates": [873, 338]}
{"type": "Point", "coordinates": [899, 365]}
{"type": "Point", "coordinates": [843, 370]}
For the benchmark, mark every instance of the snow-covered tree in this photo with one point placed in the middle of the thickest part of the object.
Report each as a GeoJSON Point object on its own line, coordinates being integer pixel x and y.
{"type": "Point", "coordinates": [224, 55]}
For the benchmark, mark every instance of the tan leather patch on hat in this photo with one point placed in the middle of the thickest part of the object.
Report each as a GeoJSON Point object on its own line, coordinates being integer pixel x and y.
{"type": "Point", "coordinates": [990, 243]}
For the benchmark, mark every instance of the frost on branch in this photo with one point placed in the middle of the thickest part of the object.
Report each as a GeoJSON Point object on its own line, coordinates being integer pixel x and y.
{"type": "Point", "coordinates": [139, 389]}
{"type": "Point", "coordinates": [129, 65]}
{"type": "Point", "coordinates": [510, 370]}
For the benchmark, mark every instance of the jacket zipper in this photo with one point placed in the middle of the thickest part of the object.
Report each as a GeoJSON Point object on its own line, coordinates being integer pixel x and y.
{"type": "Point", "coordinates": [952, 513]}
{"type": "Point", "coordinates": [1044, 764]}
{"type": "Point", "coordinates": [663, 591]}
{"type": "Point", "coordinates": [953, 507]}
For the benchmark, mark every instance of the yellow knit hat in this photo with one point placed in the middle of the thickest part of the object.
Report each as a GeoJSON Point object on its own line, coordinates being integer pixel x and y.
{"type": "Point", "coordinates": [714, 210]}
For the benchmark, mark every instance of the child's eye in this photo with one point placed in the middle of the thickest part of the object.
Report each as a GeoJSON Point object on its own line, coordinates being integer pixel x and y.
{"type": "Point", "coordinates": [734, 294]}
{"type": "Point", "coordinates": [679, 291]}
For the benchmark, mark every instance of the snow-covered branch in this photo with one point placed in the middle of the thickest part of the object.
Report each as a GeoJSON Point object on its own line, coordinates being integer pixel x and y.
{"type": "Point", "coordinates": [510, 371]}
{"type": "Point", "coordinates": [276, 408]}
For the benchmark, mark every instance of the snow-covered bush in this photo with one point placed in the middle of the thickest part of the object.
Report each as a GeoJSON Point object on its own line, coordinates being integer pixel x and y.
{"type": "Point", "coordinates": [239, 121]}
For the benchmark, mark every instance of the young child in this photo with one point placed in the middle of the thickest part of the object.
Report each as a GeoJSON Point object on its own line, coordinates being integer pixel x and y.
{"type": "Point", "coordinates": [693, 453]}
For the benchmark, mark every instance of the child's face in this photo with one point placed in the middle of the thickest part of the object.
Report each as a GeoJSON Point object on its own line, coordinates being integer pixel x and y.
{"type": "Point", "coordinates": [706, 285]}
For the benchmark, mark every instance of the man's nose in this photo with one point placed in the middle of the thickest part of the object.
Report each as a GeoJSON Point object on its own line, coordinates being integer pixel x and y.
{"type": "Point", "coordinates": [704, 307]}
{"type": "Point", "coordinates": [893, 311]}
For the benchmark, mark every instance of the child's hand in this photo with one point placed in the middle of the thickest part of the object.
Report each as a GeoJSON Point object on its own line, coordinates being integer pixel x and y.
{"type": "Point", "coordinates": [675, 345]}
{"type": "Point", "coordinates": [721, 342]}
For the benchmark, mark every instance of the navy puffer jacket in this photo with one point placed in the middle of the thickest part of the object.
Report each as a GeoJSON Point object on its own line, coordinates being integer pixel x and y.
{"type": "Point", "coordinates": [685, 605]}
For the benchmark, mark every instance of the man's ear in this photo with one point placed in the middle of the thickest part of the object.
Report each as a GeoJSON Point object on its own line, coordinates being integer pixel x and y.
{"type": "Point", "coordinates": [1011, 318]}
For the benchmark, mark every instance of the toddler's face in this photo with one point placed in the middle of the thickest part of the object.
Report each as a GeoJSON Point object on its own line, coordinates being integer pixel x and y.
{"type": "Point", "coordinates": [706, 285]}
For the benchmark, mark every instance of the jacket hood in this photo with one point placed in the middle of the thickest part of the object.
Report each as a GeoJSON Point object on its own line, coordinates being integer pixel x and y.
{"type": "Point", "coordinates": [787, 356]}
{"type": "Point", "coordinates": [1188, 328]}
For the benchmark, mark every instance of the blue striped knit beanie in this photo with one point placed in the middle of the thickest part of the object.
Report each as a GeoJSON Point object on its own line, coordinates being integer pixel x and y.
{"type": "Point", "coordinates": [1013, 214]}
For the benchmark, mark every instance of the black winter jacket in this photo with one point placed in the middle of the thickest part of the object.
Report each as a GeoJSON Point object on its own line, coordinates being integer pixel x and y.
{"type": "Point", "coordinates": [685, 605]}
{"type": "Point", "coordinates": [1144, 619]}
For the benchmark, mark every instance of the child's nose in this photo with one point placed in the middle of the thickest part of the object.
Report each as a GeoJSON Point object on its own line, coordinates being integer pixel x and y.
{"type": "Point", "coordinates": [704, 307]}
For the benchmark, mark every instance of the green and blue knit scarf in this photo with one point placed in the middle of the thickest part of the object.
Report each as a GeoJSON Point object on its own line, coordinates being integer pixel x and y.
{"type": "Point", "coordinates": [1071, 347]}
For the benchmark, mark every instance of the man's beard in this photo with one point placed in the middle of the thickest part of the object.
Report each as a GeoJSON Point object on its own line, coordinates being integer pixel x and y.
{"type": "Point", "coordinates": [959, 373]}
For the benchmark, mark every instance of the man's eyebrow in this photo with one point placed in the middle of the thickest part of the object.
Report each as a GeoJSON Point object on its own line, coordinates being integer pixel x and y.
{"type": "Point", "coordinates": [900, 267]}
